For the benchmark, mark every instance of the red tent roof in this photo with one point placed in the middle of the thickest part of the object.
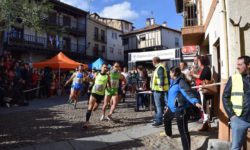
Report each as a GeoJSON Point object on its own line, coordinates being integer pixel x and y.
{"type": "Point", "coordinates": [59, 61]}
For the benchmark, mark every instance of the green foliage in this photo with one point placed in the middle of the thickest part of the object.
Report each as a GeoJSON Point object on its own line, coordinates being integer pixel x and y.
{"type": "Point", "coordinates": [31, 13]}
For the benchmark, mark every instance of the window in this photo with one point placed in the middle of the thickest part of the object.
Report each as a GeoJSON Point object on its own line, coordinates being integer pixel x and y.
{"type": "Point", "coordinates": [66, 43]}
{"type": "Point", "coordinates": [126, 26]}
{"type": "Point", "coordinates": [103, 49]}
{"type": "Point", "coordinates": [114, 35]}
{"type": "Point", "coordinates": [177, 42]}
{"type": "Point", "coordinates": [96, 48]}
{"type": "Point", "coordinates": [125, 41]}
{"type": "Point", "coordinates": [96, 34]}
{"type": "Point", "coordinates": [142, 38]}
{"type": "Point", "coordinates": [102, 35]}
{"type": "Point", "coordinates": [66, 21]}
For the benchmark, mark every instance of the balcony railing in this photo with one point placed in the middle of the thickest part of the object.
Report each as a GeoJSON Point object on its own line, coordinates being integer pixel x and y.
{"type": "Point", "coordinates": [73, 25]}
{"type": "Point", "coordinates": [100, 39]}
{"type": "Point", "coordinates": [191, 22]}
{"type": "Point", "coordinates": [147, 43]}
{"type": "Point", "coordinates": [190, 15]}
{"type": "Point", "coordinates": [42, 43]}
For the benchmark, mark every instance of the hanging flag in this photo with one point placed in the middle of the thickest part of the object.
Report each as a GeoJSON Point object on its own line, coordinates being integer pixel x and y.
{"type": "Point", "coordinates": [57, 41]}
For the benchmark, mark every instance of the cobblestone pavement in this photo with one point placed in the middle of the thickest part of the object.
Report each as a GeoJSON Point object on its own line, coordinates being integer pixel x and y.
{"type": "Point", "coordinates": [199, 140]}
{"type": "Point", "coordinates": [59, 121]}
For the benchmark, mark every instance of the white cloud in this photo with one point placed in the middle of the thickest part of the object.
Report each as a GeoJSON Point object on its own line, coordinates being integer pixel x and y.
{"type": "Point", "coordinates": [82, 4]}
{"type": "Point", "coordinates": [120, 11]}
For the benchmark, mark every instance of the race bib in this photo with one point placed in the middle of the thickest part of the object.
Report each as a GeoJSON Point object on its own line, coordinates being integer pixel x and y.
{"type": "Point", "coordinates": [78, 80]}
{"type": "Point", "coordinates": [99, 88]}
{"type": "Point", "coordinates": [114, 83]}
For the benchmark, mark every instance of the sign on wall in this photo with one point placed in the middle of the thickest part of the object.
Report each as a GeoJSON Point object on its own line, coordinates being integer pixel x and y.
{"type": "Point", "coordinates": [189, 50]}
{"type": "Point", "coordinates": [146, 56]}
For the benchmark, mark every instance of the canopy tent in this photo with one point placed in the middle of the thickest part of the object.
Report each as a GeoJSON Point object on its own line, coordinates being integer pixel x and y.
{"type": "Point", "coordinates": [60, 61]}
{"type": "Point", "coordinates": [98, 64]}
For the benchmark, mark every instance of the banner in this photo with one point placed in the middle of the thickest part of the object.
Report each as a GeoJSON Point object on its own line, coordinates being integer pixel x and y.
{"type": "Point", "coordinates": [146, 56]}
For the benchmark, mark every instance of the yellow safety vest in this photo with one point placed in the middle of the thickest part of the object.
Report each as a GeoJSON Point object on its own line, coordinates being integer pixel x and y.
{"type": "Point", "coordinates": [237, 93]}
{"type": "Point", "coordinates": [156, 80]}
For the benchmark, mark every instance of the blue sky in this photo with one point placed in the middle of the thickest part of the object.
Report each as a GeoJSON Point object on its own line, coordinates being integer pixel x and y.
{"type": "Point", "coordinates": [135, 11]}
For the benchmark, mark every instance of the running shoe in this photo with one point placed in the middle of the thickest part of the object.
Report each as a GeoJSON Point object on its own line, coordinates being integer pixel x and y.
{"type": "Point", "coordinates": [102, 117]}
{"type": "Point", "coordinates": [109, 118]}
{"type": "Point", "coordinates": [75, 105]}
{"type": "Point", "coordinates": [70, 101]}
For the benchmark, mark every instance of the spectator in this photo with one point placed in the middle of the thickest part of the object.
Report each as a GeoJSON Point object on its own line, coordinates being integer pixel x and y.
{"type": "Point", "coordinates": [185, 71]}
{"type": "Point", "coordinates": [205, 75]}
{"type": "Point", "coordinates": [159, 86]}
{"type": "Point", "coordinates": [142, 85]}
{"type": "Point", "coordinates": [236, 101]}
{"type": "Point", "coordinates": [179, 97]}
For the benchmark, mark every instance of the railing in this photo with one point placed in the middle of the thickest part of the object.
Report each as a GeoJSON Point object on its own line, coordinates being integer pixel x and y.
{"type": "Point", "coordinates": [42, 42]}
{"type": "Point", "coordinates": [147, 43]}
{"type": "Point", "coordinates": [73, 25]}
{"type": "Point", "coordinates": [190, 15]}
{"type": "Point", "coordinates": [191, 22]}
{"type": "Point", "coordinates": [100, 39]}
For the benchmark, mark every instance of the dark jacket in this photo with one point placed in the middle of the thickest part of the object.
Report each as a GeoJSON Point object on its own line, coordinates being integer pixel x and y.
{"type": "Point", "coordinates": [160, 73]}
{"type": "Point", "coordinates": [180, 95]}
{"type": "Point", "coordinates": [246, 98]}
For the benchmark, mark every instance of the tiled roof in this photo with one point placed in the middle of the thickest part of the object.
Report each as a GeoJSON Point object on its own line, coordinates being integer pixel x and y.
{"type": "Point", "coordinates": [149, 28]}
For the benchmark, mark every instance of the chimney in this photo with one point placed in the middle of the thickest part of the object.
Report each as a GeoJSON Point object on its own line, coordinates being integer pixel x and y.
{"type": "Point", "coordinates": [164, 24]}
{"type": "Point", "coordinates": [152, 21]}
{"type": "Point", "coordinates": [148, 22]}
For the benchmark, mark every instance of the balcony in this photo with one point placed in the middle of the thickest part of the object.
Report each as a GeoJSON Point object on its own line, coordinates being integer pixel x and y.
{"type": "Point", "coordinates": [147, 43]}
{"type": "Point", "coordinates": [33, 43]}
{"type": "Point", "coordinates": [192, 35]}
{"type": "Point", "coordinates": [73, 27]}
{"type": "Point", "coordinates": [101, 39]}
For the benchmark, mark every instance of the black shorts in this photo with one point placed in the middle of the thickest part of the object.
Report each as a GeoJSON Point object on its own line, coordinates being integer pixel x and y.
{"type": "Point", "coordinates": [119, 91]}
{"type": "Point", "coordinates": [98, 97]}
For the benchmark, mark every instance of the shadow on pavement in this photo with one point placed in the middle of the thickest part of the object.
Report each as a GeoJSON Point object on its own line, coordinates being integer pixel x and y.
{"type": "Point", "coordinates": [40, 126]}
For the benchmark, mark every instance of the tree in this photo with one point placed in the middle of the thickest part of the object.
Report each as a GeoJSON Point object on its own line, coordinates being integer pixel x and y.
{"type": "Point", "coordinates": [30, 13]}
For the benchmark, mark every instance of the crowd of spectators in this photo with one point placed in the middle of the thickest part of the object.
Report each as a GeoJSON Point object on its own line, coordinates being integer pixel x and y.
{"type": "Point", "coordinates": [20, 83]}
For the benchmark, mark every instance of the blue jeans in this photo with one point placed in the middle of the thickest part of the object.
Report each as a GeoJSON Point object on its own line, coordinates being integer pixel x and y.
{"type": "Point", "coordinates": [159, 104]}
{"type": "Point", "coordinates": [140, 99]}
{"type": "Point", "coordinates": [239, 132]}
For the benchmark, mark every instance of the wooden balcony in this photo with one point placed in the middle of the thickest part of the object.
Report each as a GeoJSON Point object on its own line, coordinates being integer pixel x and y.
{"type": "Point", "coordinates": [24, 43]}
{"type": "Point", "coordinates": [192, 35]}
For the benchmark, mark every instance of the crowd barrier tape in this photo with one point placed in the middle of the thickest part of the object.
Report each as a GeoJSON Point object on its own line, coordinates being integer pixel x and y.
{"type": "Point", "coordinates": [31, 89]}
{"type": "Point", "coordinates": [207, 85]}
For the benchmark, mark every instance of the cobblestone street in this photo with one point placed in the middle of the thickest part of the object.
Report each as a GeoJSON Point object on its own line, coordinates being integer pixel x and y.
{"type": "Point", "coordinates": [58, 121]}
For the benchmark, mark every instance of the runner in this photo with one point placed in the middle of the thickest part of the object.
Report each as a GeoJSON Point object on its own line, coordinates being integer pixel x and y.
{"type": "Point", "coordinates": [76, 86]}
{"type": "Point", "coordinates": [122, 86]}
{"type": "Point", "coordinates": [112, 92]}
{"type": "Point", "coordinates": [97, 92]}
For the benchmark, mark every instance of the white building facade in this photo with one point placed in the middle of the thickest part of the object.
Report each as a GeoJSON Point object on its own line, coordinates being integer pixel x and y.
{"type": "Point", "coordinates": [152, 37]}
{"type": "Point", "coordinates": [115, 50]}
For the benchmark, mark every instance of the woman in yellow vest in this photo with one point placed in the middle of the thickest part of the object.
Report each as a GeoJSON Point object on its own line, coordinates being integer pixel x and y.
{"type": "Point", "coordinates": [97, 92]}
{"type": "Point", "coordinates": [236, 101]}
